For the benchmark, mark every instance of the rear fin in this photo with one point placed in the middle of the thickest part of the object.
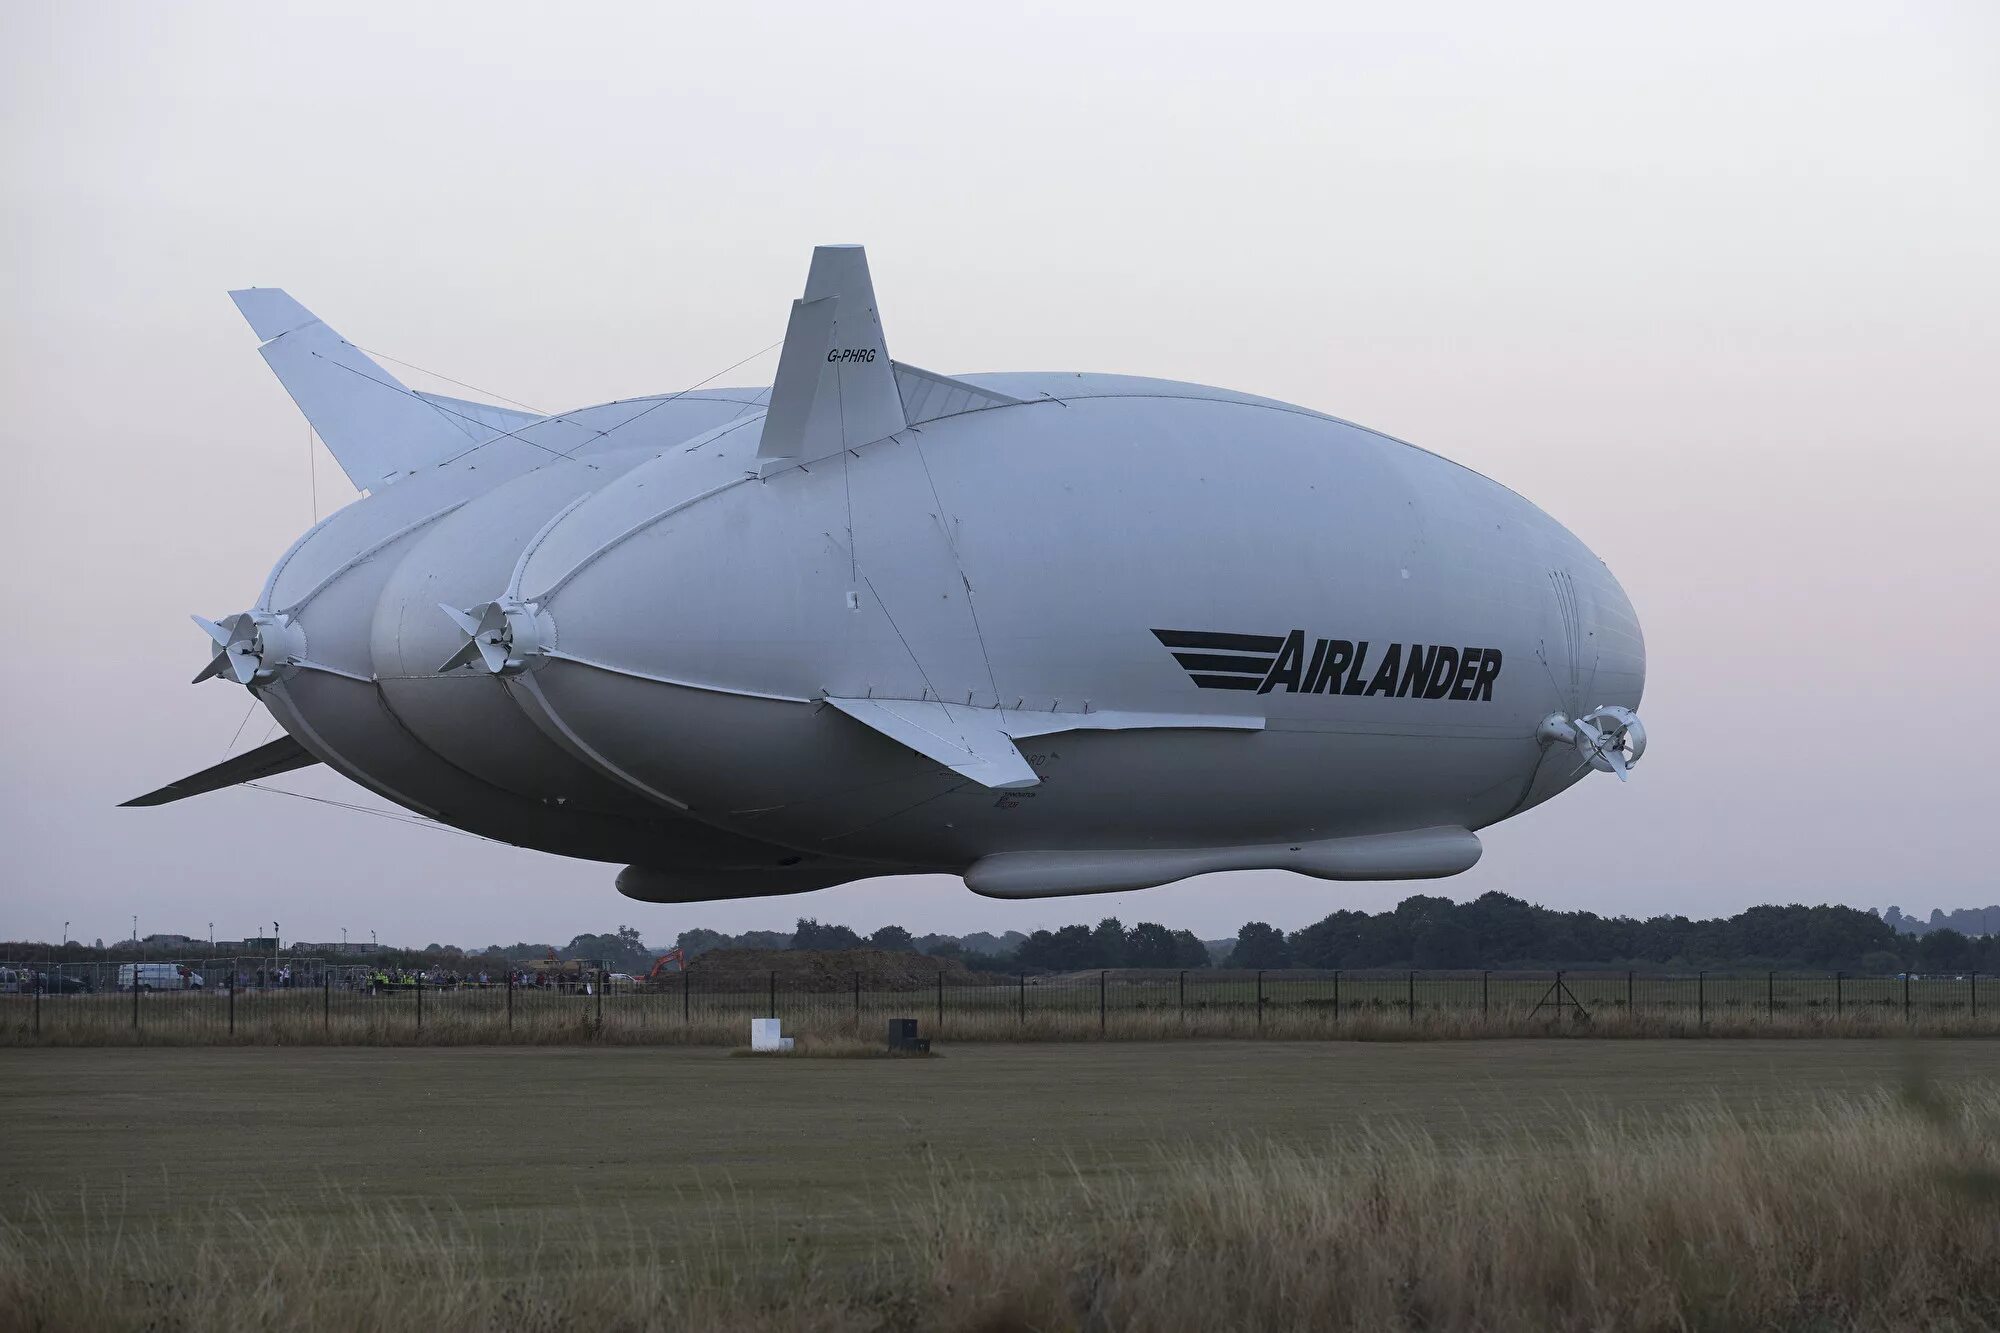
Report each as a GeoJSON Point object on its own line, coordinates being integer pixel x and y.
{"type": "Point", "coordinates": [978, 743]}
{"type": "Point", "coordinates": [968, 741]}
{"type": "Point", "coordinates": [836, 387]}
{"type": "Point", "coordinates": [280, 756]}
{"type": "Point", "coordinates": [375, 427]}
{"type": "Point", "coordinates": [928, 395]}
{"type": "Point", "coordinates": [481, 420]}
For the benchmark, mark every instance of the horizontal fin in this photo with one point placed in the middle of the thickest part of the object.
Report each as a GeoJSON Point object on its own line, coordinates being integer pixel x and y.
{"type": "Point", "coordinates": [978, 743]}
{"type": "Point", "coordinates": [836, 387]}
{"type": "Point", "coordinates": [375, 427]}
{"type": "Point", "coordinates": [968, 741]}
{"type": "Point", "coordinates": [280, 756]}
{"type": "Point", "coordinates": [1021, 724]}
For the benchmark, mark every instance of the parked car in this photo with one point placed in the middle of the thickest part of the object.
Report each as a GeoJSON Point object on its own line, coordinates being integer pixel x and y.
{"type": "Point", "coordinates": [58, 983]}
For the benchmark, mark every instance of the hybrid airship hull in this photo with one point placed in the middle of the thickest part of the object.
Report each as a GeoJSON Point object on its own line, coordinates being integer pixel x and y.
{"type": "Point", "coordinates": [1055, 632]}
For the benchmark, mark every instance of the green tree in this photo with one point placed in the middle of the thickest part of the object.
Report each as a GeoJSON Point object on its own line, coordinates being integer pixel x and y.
{"type": "Point", "coordinates": [1944, 951]}
{"type": "Point", "coordinates": [894, 938]}
{"type": "Point", "coordinates": [621, 951]}
{"type": "Point", "coordinates": [1068, 949]}
{"type": "Point", "coordinates": [1260, 945]}
{"type": "Point", "coordinates": [1189, 951]}
{"type": "Point", "coordinates": [1107, 944]}
{"type": "Point", "coordinates": [810, 934]}
{"type": "Point", "coordinates": [1445, 943]}
{"type": "Point", "coordinates": [1150, 944]}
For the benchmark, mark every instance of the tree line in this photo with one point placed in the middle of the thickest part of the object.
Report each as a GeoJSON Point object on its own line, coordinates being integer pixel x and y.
{"type": "Point", "coordinates": [1493, 930]}
{"type": "Point", "coordinates": [1498, 931]}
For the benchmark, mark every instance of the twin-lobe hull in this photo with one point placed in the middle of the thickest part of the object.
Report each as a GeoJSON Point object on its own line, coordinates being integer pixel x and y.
{"type": "Point", "coordinates": [1060, 633]}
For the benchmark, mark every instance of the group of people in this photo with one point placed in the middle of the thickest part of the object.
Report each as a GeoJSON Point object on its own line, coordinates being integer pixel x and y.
{"type": "Point", "coordinates": [387, 980]}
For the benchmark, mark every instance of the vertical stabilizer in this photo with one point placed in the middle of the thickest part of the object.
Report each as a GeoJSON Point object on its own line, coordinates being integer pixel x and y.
{"type": "Point", "coordinates": [375, 427]}
{"type": "Point", "coordinates": [836, 387]}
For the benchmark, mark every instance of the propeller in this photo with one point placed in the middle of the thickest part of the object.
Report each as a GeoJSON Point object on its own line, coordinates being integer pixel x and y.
{"type": "Point", "coordinates": [1609, 738]}
{"type": "Point", "coordinates": [251, 646]}
{"type": "Point", "coordinates": [504, 637]}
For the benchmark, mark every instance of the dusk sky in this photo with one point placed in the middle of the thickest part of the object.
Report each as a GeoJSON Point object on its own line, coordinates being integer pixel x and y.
{"type": "Point", "coordinates": [1715, 285]}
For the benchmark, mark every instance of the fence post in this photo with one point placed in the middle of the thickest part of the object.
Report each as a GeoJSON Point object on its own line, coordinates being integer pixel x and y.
{"type": "Point", "coordinates": [1485, 996]}
{"type": "Point", "coordinates": [1260, 999]}
{"type": "Point", "coordinates": [38, 1009]}
{"type": "Point", "coordinates": [325, 1000]}
{"type": "Point", "coordinates": [1770, 995]}
{"type": "Point", "coordinates": [1700, 998]}
{"type": "Point", "coordinates": [232, 999]}
{"type": "Point", "coordinates": [772, 994]}
{"type": "Point", "coordinates": [1183, 994]}
{"type": "Point", "coordinates": [602, 976]}
{"type": "Point", "coordinates": [1336, 995]}
{"type": "Point", "coordinates": [1906, 995]}
{"type": "Point", "coordinates": [1629, 1010]}
{"type": "Point", "coordinates": [135, 996]}
{"type": "Point", "coordinates": [420, 1000]}
{"type": "Point", "coordinates": [510, 995]}
{"type": "Point", "coordinates": [1100, 1002]}
{"type": "Point", "coordinates": [857, 1002]}
{"type": "Point", "coordinates": [1023, 982]}
{"type": "Point", "coordinates": [1836, 995]}
{"type": "Point", "coordinates": [1412, 1008]}
{"type": "Point", "coordinates": [1974, 979]}
{"type": "Point", "coordinates": [940, 1001]}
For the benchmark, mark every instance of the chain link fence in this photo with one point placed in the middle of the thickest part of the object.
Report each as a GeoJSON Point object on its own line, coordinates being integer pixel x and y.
{"type": "Point", "coordinates": [290, 999]}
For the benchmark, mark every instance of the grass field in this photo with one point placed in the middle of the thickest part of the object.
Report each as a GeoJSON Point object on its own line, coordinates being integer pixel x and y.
{"type": "Point", "coordinates": [686, 1140]}
{"type": "Point", "coordinates": [705, 1191]}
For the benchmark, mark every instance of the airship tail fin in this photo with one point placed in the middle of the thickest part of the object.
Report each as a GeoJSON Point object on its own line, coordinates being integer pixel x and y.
{"type": "Point", "coordinates": [927, 395]}
{"type": "Point", "coordinates": [836, 387]}
{"type": "Point", "coordinates": [376, 428]}
{"type": "Point", "coordinates": [280, 756]}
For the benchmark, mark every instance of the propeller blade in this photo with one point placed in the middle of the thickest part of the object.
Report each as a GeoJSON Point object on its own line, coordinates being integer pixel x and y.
{"type": "Point", "coordinates": [459, 618]}
{"type": "Point", "coordinates": [1617, 762]}
{"type": "Point", "coordinates": [493, 653]}
{"type": "Point", "coordinates": [463, 657]}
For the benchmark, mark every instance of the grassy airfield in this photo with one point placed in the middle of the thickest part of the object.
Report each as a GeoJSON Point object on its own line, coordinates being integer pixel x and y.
{"type": "Point", "coordinates": [682, 1187]}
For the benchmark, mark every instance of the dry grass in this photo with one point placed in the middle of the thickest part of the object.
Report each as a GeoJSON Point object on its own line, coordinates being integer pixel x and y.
{"type": "Point", "coordinates": [482, 1019]}
{"type": "Point", "coordinates": [1881, 1213]}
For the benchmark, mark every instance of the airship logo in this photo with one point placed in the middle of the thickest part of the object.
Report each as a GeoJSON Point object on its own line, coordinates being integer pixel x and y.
{"type": "Point", "coordinates": [1267, 662]}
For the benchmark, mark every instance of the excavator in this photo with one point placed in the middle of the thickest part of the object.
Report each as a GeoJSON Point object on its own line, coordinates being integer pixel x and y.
{"type": "Point", "coordinates": [674, 956]}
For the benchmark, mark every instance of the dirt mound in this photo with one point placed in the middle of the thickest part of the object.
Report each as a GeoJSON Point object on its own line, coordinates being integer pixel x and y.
{"type": "Point", "coordinates": [826, 970]}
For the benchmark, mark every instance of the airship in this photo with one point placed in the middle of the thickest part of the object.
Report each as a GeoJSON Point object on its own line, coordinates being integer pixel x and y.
{"type": "Point", "coordinates": [1052, 632]}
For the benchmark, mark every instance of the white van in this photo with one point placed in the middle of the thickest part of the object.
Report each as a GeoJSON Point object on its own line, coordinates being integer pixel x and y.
{"type": "Point", "coordinates": [157, 976]}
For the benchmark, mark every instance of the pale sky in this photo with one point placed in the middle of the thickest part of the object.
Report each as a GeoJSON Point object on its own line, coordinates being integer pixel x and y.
{"type": "Point", "coordinates": [1713, 284]}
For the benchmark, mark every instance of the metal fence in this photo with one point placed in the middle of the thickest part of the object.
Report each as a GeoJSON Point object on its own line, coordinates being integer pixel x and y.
{"type": "Point", "coordinates": [249, 999]}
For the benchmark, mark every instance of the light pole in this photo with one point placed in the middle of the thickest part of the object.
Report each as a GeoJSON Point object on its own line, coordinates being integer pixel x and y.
{"type": "Point", "coordinates": [343, 939]}
{"type": "Point", "coordinates": [65, 942]}
{"type": "Point", "coordinates": [373, 943]}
